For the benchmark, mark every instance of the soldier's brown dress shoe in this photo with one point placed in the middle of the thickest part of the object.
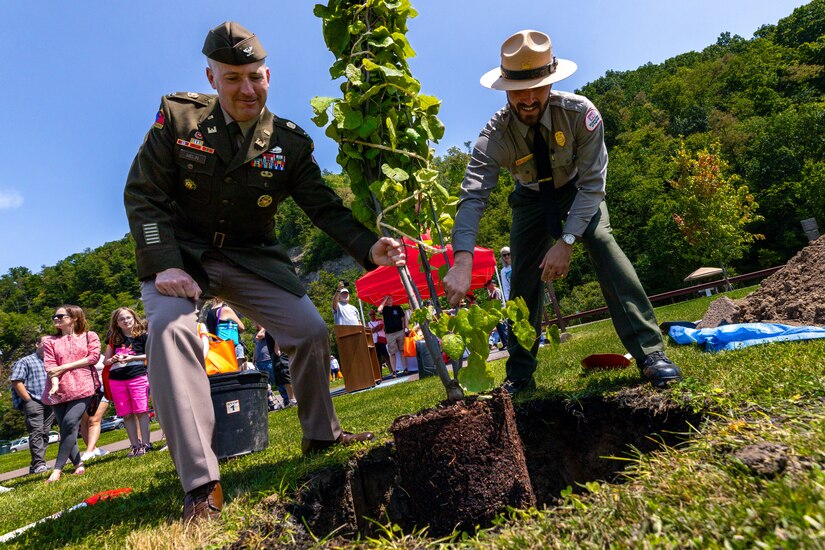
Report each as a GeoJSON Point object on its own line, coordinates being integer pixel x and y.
{"type": "Point", "coordinates": [346, 438]}
{"type": "Point", "coordinates": [205, 502]}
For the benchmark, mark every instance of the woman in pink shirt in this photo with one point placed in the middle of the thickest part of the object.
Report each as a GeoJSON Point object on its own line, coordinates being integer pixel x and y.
{"type": "Point", "coordinates": [70, 356]}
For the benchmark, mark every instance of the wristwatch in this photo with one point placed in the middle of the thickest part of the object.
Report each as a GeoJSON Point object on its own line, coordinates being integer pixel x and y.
{"type": "Point", "coordinates": [568, 238]}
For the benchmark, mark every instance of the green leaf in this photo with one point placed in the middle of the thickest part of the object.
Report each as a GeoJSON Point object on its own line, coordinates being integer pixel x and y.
{"type": "Point", "coordinates": [428, 103]}
{"type": "Point", "coordinates": [368, 127]}
{"type": "Point", "coordinates": [385, 43]}
{"type": "Point", "coordinates": [336, 35]}
{"type": "Point", "coordinates": [525, 333]}
{"type": "Point", "coordinates": [477, 375]}
{"type": "Point", "coordinates": [357, 27]}
{"type": "Point", "coordinates": [391, 132]}
{"type": "Point", "coordinates": [352, 119]}
{"type": "Point", "coordinates": [553, 339]}
{"type": "Point", "coordinates": [395, 174]}
{"type": "Point", "coordinates": [441, 327]}
{"type": "Point", "coordinates": [353, 74]}
{"type": "Point", "coordinates": [420, 316]}
{"type": "Point", "coordinates": [351, 151]}
{"type": "Point", "coordinates": [442, 271]}
{"type": "Point", "coordinates": [453, 346]}
{"type": "Point", "coordinates": [462, 323]}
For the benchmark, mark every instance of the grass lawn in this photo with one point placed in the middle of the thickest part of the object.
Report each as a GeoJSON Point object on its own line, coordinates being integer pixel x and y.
{"type": "Point", "coordinates": [22, 459]}
{"type": "Point", "coordinates": [695, 495]}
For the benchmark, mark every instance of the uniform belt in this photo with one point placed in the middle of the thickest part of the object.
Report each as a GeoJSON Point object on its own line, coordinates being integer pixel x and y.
{"type": "Point", "coordinates": [566, 188]}
{"type": "Point", "coordinates": [221, 240]}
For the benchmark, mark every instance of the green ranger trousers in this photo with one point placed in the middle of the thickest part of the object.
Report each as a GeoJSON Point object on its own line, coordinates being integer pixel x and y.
{"type": "Point", "coordinates": [630, 310]}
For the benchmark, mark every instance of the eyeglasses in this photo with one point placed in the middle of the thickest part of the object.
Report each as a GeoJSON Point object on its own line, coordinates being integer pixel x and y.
{"type": "Point", "coordinates": [505, 255]}
{"type": "Point", "coordinates": [59, 316]}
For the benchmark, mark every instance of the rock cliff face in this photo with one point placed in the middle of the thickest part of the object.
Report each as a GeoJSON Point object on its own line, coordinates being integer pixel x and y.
{"type": "Point", "coordinates": [336, 266]}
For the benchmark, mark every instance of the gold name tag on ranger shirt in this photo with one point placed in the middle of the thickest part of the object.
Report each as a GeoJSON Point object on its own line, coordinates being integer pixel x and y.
{"type": "Point", "coordinates": [522, 160]}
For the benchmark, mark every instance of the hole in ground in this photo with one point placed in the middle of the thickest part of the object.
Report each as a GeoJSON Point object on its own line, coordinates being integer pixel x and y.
{"type": "Point", "coordinates": [566, 443]}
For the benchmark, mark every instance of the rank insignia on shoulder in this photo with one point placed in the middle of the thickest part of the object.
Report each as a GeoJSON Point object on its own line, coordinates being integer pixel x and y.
{"type": "Point", "coordinates": [290, 124]}
{"type": "Point", "coordinates": [264, 201]}
{"type": "Point", "coordinates": [159, 120]}
{"type": "Point", "coordinates": [193, 95]}
{"type": "Point", "coordinates": [560, 139]}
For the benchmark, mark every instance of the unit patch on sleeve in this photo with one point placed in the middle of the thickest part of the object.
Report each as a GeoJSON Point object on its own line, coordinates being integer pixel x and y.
{"type": "Point", "coordinates": [159, 120]}
{"type": "Point", "coordinates": [592, 119]}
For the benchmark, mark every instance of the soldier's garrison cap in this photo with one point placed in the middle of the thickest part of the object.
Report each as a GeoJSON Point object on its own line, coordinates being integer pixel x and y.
{"type": "Point", "coordinates": [232, 44]}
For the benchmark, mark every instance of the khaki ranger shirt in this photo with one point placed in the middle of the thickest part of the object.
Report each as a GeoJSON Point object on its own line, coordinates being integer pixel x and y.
{"type": "Point", "coordinates": [188, 193]}
{"type": "Point", "coordinates": [575, 135]}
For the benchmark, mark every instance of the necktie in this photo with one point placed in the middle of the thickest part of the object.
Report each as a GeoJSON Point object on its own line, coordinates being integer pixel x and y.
{"type": "Point", "coordinates": [544, 175]}
{"type": "Point", "coordinates": [235, 136]}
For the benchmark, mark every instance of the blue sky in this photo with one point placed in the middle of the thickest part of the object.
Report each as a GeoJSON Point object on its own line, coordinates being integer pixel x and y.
{"type": "Point", "coordinates": [82, 82]}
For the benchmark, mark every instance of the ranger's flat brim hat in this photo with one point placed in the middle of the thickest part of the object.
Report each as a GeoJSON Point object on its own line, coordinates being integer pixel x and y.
{"type": "Point", "coordinates": [527, 61]}
{"type": "Point", "coordinates": [232, 44]}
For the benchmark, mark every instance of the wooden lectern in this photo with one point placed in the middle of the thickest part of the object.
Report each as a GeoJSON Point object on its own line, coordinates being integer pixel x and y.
{"type": "Point", "coordinates": [358, 360]}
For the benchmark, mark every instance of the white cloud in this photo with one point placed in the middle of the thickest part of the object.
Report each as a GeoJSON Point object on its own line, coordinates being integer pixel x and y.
{"type": "Point", "coordinates": [10, 199]}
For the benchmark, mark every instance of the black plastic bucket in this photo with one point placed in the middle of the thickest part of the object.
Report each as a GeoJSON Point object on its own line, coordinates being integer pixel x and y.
{"type": "Point", "coordinates": [241, 413]}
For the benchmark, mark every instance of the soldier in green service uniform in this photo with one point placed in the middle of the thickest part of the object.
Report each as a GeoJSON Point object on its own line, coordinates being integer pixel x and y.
{"type": "Point", "coordinates": [553, 145]}
{"type": "Point", "coordinates": [200, 197]}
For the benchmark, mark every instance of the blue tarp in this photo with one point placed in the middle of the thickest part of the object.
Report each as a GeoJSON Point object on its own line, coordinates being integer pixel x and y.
{"type": "Point", "coordinates": [729, 337]}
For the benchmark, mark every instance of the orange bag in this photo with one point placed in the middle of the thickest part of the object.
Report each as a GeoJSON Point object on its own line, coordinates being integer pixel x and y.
{"type": "Point", "coordinates": [409, 346]}
{"type": "Point", "coordinates": [221, 356]}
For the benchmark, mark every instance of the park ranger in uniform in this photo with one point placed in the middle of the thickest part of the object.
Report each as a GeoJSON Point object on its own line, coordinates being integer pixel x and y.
{"type": "Point", "coordinates": [553, 145]}
{"type": "Point", "coordinates": [200, 198]}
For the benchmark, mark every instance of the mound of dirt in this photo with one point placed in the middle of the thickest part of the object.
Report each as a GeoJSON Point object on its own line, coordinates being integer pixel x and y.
{"type": "Point", "coordinates": [794, 295]}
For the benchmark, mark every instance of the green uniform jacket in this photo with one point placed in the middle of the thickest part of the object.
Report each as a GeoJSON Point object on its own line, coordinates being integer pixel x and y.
{"type": "Point", "coordinates": [187, 193]}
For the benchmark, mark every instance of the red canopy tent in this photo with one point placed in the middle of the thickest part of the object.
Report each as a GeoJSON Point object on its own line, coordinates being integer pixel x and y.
{"type": "Point", "coordinates": [373, 286]}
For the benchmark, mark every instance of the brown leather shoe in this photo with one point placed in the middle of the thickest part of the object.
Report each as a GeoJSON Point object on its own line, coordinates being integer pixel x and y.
{"type": "Point", "coordinates": [346, 438]}
{"type": "Point", "coordinates": [205, 502]}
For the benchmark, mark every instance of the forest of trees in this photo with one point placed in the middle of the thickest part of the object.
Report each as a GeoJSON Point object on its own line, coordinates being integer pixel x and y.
{"type": "Point", "coordinates": [756, 103]}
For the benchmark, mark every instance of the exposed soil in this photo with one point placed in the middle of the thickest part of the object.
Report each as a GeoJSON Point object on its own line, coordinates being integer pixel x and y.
{"type": "Point", "coordinates": [566, 443]}
{"type": "Point", "coordinates": [794, 295]}
{"type": "Point", "coordinates": [462, 463]}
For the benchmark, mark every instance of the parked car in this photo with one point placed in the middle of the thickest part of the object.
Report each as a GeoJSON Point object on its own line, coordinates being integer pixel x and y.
{"type": "Point", "coordinates": [19, 444]}
{"type": "Point", "coordinates": [111, 423]}
{"type": "Point", "coordinates": [22, 444]}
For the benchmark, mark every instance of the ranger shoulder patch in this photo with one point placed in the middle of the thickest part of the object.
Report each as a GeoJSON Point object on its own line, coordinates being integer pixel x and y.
{"type": "Point", "coordinates": [592, 119]}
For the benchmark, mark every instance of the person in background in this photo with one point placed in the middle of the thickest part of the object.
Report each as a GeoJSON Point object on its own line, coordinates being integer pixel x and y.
{"type": "Point", "coordinates": [70, 355]}
{"type": "Point", "coordinates": [506, 272]}
{"type": "Point", "coordinates": [223, 322]}
{"type": "Point", "coordinates": [334, 367]}
{"type": "Point", "coordinates": [379, 338]}
{"type": "Point", "coordinates": [395, 325]}
{"type": "Point", "coordinates": [128, 376]}
{"type": "Point", "coordinates": [90, 425]}
{"type": "Point", "coordinates": [495, 294]}
{"type": "Point", "coordinates": [280, 366]}
{"type": "Point", "coordinates": [553, 145]}
{"type": "Point", "coordinates": [28, 380]}
{"type": "Point", "coordinates": [343, 312]}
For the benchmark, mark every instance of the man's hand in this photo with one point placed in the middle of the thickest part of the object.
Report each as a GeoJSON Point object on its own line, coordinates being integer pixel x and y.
{"type": "Point", "coordinates": [388, 251]}
{"type": "Point", "coordinates": [176, 282]}
{"type": "Point", "coordinates": [556, 262]}
{"type": "Point", "coordinates": [457, 281]}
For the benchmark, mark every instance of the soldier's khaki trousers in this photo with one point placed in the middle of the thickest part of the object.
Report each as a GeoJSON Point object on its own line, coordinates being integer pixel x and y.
{"type": "Point", "coordinates": [180, 388]}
